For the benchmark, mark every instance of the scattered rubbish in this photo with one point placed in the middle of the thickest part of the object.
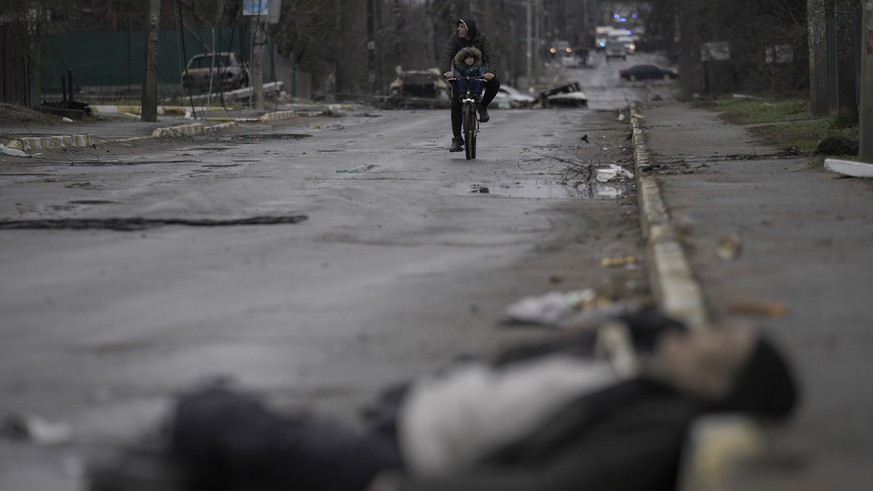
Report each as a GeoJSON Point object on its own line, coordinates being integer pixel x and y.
{"type": "Point", "coordinates": [763, 307]}
{"type": "Point", "coordinates": [356, 171]}
{"type": "Point", "coordinates": [611, 262]}
{"type": "Point", "coordinates": [730, 246]}
{"type": "Point", "coordinates": [35, 429]}
{"type": "Point", "coordinates": [478, 188]}
{"type": "Point", "coordinates": [66, 107]}
{"type": "Point", "coordinates": [549, 309]}
{"type": "Point", "coordinates": [611, 173]}
{"type": "Point", "coordinates": [14, 152]}
{"type": "Point", "coordinates": [135, 224]}
{"type": "Point", "coordinates": [744, 96]}
{"type": "Point", "coordinates": [585, 138]}
{"type": "Point", "coordinates": [837, 145]}
{"type": "Point", "coordinates": [621, 116]}
{"type": "Point", "coordinates": [315, 125]}
{"type": "Point", "coordinates": [66, 120]}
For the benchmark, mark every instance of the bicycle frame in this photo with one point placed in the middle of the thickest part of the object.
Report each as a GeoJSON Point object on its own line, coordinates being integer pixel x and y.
{"type": "Point", "coordinates": [470, 119]}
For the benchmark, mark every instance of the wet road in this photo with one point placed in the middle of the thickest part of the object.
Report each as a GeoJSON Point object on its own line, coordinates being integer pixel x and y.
{"type": "Point", "coordinates": [378, 256]}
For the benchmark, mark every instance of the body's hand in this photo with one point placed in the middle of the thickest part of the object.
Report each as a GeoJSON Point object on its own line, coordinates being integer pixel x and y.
{"type": "Point", "coordinates": [488, 76]}
{"type": "Point", "coordinates": [447, 75]}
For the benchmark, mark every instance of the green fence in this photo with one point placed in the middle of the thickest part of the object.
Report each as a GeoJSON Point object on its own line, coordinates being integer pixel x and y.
{"type": "Point", "coordinates": [117, 59]}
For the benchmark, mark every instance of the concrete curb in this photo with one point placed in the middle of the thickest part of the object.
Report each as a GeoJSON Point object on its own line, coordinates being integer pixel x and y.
{"type": "Point", "coordinates": [717, 444]}
{"type": "Point", "coordinates": [27, 144]}
{"type": "Point", "coordinates": [849, 167]}
{"type": "Point", "coordinates": [52, 142]}
{"type": "Point", "coordinates": [675, 287]}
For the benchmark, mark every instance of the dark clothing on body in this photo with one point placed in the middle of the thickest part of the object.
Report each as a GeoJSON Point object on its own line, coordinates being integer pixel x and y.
{"type": "Point", "coordinates": [626, 437]}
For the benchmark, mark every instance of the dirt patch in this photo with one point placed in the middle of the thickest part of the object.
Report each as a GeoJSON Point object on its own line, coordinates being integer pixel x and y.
{"type": "Point", "coordinates": [12, 115]}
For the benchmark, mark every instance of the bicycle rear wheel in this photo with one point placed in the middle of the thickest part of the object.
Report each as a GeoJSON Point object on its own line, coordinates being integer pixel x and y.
{"type": "Point", "coordinates": [474, 136]}
{"type": "Point", "coordinates": [469, 123]}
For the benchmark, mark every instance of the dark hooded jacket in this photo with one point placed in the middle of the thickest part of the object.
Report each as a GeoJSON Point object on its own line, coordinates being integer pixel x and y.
{"type": "Point", "coordinates": [474, 39]}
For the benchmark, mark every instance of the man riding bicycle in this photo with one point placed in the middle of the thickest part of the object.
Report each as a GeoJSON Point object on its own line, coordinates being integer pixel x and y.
{"type": "Point", "coordinates": [467, 35]}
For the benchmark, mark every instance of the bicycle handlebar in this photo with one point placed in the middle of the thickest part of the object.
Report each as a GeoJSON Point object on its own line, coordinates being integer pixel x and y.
{"type": "Point", "coordinates": [480, 79]}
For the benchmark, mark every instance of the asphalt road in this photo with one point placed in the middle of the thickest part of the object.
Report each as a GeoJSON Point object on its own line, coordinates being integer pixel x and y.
{"type": "Point", "coordinates": [402, 263]}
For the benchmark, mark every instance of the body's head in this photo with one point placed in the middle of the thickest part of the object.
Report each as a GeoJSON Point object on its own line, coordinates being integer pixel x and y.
{"type": "Point", "coordinates": [731, 368]}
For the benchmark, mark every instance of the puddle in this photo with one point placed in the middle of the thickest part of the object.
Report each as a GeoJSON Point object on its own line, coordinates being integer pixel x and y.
{"type": "Point", "coordinates": [252, 138]}
{"type": "Point", "coordinates": [541, 189]}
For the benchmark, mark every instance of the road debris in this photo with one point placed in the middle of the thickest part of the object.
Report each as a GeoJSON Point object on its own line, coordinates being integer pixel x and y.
{"type": "Point", "coordinates": [610, 262]}
{"type": "Point", "coordinates": [549, 309]}
{"type": "Point", "coordinates": [14, 152]}
{"type": "Point", "coordinates": [34, 429]}
{"type": "Point", "coordinates": [611, 173]}
{"type": "Point", "coordinates": [730, 246]}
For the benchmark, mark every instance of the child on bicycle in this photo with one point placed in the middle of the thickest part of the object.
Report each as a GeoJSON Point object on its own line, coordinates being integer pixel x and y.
{"type": "Point", "coordinates": [468, 63]}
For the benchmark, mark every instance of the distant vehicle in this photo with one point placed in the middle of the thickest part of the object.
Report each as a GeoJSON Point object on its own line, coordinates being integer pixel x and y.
{"type": "Point", "coordinates": [647, 72]}
{"type": "Point", "coordinates": [226, 70]}
{"type": "Point", "coordinates": [562, 52]}
{"type": "Point", "coordinates": [615, 49]}
{"type": "Point", "coordinates": [511, 98]}
{"type": "Point", "coordinates": [628, 42]}
{"type": "Point", "coordinates": [425, 87]}
{"type": "Point", "coordinates": [601, 36]}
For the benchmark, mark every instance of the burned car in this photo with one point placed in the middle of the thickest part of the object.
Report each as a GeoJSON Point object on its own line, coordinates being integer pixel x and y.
{"type": "Point", "coordinates": [567, 95]}
{"type": "Point", "coordinates": [226, 70]}
{"type": "Point", "coordinates": [420, 88]}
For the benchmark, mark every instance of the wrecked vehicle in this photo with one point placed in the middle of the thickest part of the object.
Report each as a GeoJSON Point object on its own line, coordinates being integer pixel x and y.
{"type": "Point", "coordinates": [226, 70]}
{"type": "Point", "coordinates": [567, 95]}
{"type": "Point", "coordinates": [511, 98]}
{"type": "Point", "coordinates": [419, 88]}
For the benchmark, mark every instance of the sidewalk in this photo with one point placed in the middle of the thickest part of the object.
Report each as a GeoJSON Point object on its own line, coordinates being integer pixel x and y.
{"type": "Point", "coordinates": [796, 258]}
{"type": "Point", "coordinates": [121, 124]}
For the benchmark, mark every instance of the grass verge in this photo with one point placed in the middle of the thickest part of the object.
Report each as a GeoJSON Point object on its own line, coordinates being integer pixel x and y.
{"type": "Point", "coordinates": [784, 122]}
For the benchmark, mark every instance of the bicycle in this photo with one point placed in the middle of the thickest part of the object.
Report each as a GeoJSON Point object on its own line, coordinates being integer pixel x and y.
{"type": "Point", "coordinates": [470, 114]}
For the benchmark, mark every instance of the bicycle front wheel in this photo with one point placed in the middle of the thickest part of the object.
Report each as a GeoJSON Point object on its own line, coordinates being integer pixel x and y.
{"type": "Point", "coordinates": [469, 123]}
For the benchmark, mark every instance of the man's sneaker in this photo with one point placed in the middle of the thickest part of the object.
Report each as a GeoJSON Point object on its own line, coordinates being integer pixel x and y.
{"type": "Point", "coordinates": [457, 145]}
{"type": "Point", "coordinates": [483, 114]}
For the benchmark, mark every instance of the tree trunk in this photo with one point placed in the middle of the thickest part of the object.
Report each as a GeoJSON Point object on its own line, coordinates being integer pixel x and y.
{"type": "Point", "coordinates": [818, 58]}
{"type": "Point", "coordinates": [847, 94]}
{"type": "Point", "coordinates": [866, 127]}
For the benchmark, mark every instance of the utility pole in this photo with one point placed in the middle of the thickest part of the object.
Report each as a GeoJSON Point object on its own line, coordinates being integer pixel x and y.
{"type": "Point", "coordinates": [818, 58]}
{"type": "Point", "coordinates": [149, 109]}
{"type": "Point", "coordinates": [866, 124]}
{"type": "Point", "coordinates": [528, 73]}
{"type": "Point", "coordinates": [847, 95]}
{"type": "Point", "coordinates": [371, 48]}
{"type": "Point", "coordinates": [538, 13]}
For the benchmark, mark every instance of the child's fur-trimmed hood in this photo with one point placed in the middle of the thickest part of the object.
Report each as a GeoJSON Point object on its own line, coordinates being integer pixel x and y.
{"type": "Point", "coordinates": [464, 53]}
